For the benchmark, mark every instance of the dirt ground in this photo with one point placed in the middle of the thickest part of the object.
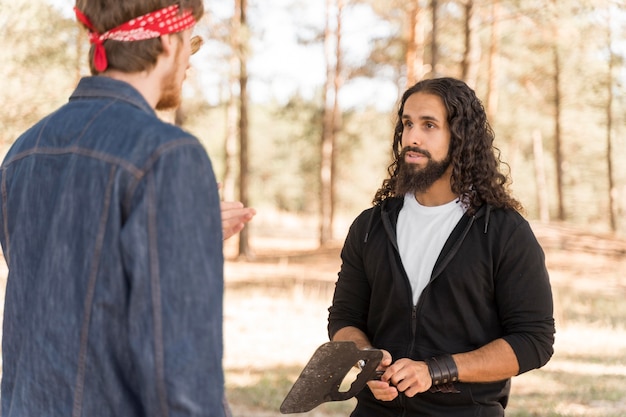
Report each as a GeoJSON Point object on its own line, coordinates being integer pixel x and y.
{"type": "Point", "coordinates": [276, 311]}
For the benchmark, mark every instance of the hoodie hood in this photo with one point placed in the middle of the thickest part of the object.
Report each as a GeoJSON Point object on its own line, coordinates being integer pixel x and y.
{"type": "Point", "coordinates": [389, 209]}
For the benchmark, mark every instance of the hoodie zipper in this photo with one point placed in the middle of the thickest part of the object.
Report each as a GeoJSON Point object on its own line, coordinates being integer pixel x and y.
{"type": "Point", "coordinates": [415, 308]}
{"type": "Point", "coordinates": [437, 270]}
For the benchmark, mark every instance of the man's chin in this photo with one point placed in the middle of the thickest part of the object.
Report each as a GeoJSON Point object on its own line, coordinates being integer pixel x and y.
{"type": "Point", "coordinates": [414, 167]}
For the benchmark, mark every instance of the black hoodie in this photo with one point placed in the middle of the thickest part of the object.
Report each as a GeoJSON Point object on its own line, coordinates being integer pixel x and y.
{"type": "Point", "coordinates": [489, 282]}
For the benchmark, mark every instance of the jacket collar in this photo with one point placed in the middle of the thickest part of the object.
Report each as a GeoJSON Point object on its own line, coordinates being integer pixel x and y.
{"type": "Point", "coordinates": [392, 206]}
{"type": "Point", "coordinates": [102, 87]}
{"type": "Point", "coordinates": [390, 210]}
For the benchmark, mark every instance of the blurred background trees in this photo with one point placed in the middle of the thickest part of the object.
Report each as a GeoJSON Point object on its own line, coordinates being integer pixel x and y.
{"type": "Point", "coordinates": [550, 73]}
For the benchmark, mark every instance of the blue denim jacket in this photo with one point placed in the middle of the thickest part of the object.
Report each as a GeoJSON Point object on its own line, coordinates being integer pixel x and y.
{"type": "Point", "coordinates": [111, 228]}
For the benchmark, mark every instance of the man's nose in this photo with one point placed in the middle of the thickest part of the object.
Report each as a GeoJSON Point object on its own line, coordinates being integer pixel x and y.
{"type": "Point", "coordinates": [413, 138]}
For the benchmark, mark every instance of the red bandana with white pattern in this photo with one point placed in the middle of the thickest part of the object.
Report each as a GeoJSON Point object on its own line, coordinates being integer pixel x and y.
{"type": "Point", "coordinates": [149, 26]}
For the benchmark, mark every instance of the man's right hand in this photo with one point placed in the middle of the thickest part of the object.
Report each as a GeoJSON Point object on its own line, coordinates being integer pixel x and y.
{"type": "Point", "coordinates": [383, 390]}
{"type": "Point", "coordinates": [234, 217]}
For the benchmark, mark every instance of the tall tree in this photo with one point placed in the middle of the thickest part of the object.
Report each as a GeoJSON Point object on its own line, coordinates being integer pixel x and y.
{"type": "Point", "coordinates": [609, 124]}
{"type": "Point", "coordinates": [229, 184]}
{"type": "Point", "coordinates": [331, 118]}
{"type": "Point", "coordinates": [241, 9]}
{"type": "Point", "coordinates": [472, 52]}
{"type": "Point", "coordinates": [494, 63]}
{"type": "Point", "coordinates": [415, 44]}
{"type": "Point", "coordinates": [401, 51]}
{"type": "Point", "coordinates": [227, 33]}
{"type": "Point", "coordinates": [434, 51]}
{"type": "Point", "coordinates": [558, 146]}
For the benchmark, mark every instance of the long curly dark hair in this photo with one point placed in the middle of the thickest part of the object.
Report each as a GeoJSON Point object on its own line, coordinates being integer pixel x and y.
{"type": "Point", "coordinates": [476, 175]}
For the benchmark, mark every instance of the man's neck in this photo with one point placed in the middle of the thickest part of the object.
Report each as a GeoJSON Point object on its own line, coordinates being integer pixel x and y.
{"type": "Point", "coordinates": [438, 194]}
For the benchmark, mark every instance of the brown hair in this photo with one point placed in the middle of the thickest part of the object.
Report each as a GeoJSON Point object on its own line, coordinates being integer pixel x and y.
{"type": "Point", "coordinates": [476, 176]}
{"type": "Point", "coordinates": [134, 56]}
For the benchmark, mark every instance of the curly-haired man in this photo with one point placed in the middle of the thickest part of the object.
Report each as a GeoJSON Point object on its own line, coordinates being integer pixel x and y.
{"type": "Point", "coordinates": [443, 274]}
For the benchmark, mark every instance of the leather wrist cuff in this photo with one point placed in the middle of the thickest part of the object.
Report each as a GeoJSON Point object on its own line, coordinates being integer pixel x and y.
{"type": "Point", "coordinates": [443, 373]}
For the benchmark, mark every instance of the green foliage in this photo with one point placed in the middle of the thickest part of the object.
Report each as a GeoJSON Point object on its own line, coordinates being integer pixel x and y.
{"type": "Point", "coordinates": [284, 155]}
{"type": "Point", "coordinates": [364, 154]}
{"type": "Point", "coordinates": [527, 90]}
{"type": "Point", "coordinates": [527, 104]}
{"type": "Point", "coordinates": [38, 64]}
{"type": "Point", "coordinates": [295, 132]}
{"type": "Point", "coordinates": [43, 63]}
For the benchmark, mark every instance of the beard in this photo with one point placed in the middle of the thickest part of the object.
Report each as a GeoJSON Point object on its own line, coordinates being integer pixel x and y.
{"type": "Point", "coordinates": [413, 179]}
{"type": "Point", "coordinates": [170, 96]}
{"type": "Point", "coordinates": [171, 91]}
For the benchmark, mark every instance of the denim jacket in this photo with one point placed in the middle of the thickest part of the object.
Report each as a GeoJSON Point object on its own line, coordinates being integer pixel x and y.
{"type": "Point", "coordinates": [111, 229]}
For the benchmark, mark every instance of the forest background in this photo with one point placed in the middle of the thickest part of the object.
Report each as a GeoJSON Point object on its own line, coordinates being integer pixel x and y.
{"type": "Point", "coordinates": [295, 100]}
{"type": "Point", "coordinates": [306, 127]}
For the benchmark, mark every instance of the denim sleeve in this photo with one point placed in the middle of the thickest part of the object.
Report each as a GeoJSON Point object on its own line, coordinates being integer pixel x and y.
{"type": "Point", "coordinates": [172, 245]}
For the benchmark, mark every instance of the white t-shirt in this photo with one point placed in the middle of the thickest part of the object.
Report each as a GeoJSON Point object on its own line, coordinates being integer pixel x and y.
{"type": "Point", "coordinates": [422, 231]}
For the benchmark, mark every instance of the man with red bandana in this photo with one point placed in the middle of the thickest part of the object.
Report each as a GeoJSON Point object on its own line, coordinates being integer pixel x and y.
{"type": "Point", "coordinates": [112, 229]}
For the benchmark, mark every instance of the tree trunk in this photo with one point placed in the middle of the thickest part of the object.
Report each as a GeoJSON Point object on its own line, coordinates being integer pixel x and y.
{"type": "Point", "coordinates": [337, 115]}
{"type": "Point", "coordinates": [331, 121]}
{"type": "Point", "coordinates": [494, 64]}
{"type": "Point", "coordinates": [414, 59]}
{"type": "Point", "coordinates": [229, 181]}
{"type": "Point", "coordinates": [609, 129]}
{"type": "Point", "coordinates": [434, 50]}
{"type": "Point", "coordinates": [543, 205]}
{"type": "Point", "coordinates": [471, 56]}
{"type": "Point", "coordinates": [241, 9]}
{"type": "Point", "coordinates": [558, 154]}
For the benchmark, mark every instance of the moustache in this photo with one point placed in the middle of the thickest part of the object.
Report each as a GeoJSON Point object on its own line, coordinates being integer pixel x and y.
{"type": "Point", "coordinates": [416, 150]}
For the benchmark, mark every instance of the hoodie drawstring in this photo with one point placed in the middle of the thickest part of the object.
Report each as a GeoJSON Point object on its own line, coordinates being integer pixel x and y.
{"type": "Point", "coordinates": [487, 218]}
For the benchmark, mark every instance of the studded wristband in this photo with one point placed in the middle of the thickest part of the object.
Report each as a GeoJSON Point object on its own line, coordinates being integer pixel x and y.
{"type": "Point", "coordinates": [444, 373]}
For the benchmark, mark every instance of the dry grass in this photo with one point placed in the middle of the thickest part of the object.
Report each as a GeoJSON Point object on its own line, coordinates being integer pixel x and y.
{"type": "Point", "coordinates": [276, 309]}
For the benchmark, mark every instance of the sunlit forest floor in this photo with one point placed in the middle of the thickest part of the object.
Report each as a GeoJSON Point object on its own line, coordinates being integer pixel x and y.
{"type": "Point", "coordinates": [276, 309]}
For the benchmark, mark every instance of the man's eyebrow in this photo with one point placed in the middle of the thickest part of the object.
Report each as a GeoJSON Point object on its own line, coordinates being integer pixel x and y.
{"type": "Point", "coordinates": [425, 117]}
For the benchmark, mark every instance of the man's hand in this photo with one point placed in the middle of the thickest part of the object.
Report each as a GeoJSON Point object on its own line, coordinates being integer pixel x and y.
{"type": "Point", "coordinates": [408, 376]}
{"type": "Point", "coordinates": [234, 217]}
{"type": "Point", "coordinates": [383, 390]}
{"type": "Point", "coordinates": [405, 375]}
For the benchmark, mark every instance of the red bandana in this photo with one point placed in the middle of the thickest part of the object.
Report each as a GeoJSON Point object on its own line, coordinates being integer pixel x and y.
{"type": "Point", "coordinates": [148, 26]}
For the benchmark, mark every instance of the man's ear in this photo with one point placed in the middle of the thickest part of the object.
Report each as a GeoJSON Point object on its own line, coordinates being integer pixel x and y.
{"type": "Point", "coordinates": [168, 44]}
